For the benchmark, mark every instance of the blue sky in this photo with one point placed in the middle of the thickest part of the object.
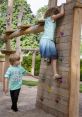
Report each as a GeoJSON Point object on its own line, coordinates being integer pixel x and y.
{"type": "Point", "coordinates": [36, 4]}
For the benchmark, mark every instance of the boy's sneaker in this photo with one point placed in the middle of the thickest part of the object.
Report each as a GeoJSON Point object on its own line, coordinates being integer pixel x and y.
{"type": "Point", "coordinates": [15, 110]}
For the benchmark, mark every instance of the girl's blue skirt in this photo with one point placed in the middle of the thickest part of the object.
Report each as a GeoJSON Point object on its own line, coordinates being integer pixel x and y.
{"type": "Point", "coordinates": [48, 49]}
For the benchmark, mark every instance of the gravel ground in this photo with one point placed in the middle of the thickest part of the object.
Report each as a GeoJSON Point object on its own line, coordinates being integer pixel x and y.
{"type": "Point", "coordinates": [26, 104]}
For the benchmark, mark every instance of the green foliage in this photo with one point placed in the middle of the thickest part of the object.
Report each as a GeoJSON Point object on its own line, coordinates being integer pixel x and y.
{"type": "Point", "coordinates": [27, 63]}
{"type": "Point", "coordinates": [3, 8]}
{"type": "Point", "coordinates": [27, 41]}
{"type": "Point", "coordinates": [81, 47]}
{"type": "Point", "coordinates": [80, 88]}
{"type": "Point", "coordinates": [30, 83]}
{"type": "Point", "coordinates": [2, 56]}
{"type": "Point", "coordinates": [37, 64]}
{"type": "Point", "coordinates": [41, 12]}
{"type": "Point", "coordinates": [81, 70]}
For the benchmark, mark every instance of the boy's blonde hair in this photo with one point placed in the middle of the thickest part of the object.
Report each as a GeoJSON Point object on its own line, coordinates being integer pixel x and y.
{"type": "Point", "coordinates": [13, 58]}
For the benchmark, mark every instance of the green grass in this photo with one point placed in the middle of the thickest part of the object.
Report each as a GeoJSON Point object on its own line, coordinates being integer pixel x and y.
{"type": "Point", "coordinates": [30, 83]}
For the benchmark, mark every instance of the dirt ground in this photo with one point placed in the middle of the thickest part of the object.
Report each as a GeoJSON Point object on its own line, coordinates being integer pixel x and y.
{"type": "Point", "coordinates": [26, 104]}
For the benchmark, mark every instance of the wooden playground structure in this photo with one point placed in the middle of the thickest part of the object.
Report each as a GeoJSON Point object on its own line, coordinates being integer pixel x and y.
{"type": "Point", "coordinates": [58, 98]}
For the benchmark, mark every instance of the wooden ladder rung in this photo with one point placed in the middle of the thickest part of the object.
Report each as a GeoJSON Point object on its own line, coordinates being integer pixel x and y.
{"type": "Point", "coordinates": [8, 52]}
{"type": "Point", "coordinates": [9, 31]}
{"type": "Point", "coordinates": [40, 22]}
{"type": "Point", "coordinates": [22, 27]}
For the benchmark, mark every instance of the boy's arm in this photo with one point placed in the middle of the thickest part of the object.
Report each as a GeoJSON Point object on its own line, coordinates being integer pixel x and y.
{"type": "Point", "coordinates": [6, 80]}
{"type": "Point", "coordinates": [62, 12]}
{"type": "Point", "coordinates": [5, 85]}
{"type": "Point", "coordinates": [28, 74]}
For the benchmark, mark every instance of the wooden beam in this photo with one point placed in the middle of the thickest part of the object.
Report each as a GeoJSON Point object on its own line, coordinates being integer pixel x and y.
{"type": "Point", "coordinates": [30, 49]}
{"type": "Point", "coordinates": [32, 29]}
{"type": "Point", "coordinates": [23, 27]}
{"type": "Point", "coordinates": [75, 65]}
{"type": "Point", "coordinates": [8, 52]}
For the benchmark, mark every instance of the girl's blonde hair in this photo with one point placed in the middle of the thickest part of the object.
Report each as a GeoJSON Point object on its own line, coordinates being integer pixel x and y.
{"type": "Point", "coordinates": [13, 58]}
{"type": "Point", "coordinates": [51, 11]}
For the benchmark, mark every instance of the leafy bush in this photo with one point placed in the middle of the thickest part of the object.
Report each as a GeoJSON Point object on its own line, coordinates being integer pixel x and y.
{"type": "Point", "coordinates": [30, 83]}
{"type": "Point", "coordinates": [27, 63]}
{"type": "Point", "coordinates": [81, 70]}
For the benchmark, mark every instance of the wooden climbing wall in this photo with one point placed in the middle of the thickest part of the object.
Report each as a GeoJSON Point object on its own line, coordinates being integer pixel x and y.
{"type": "Point", "coordinates": [54, 97]}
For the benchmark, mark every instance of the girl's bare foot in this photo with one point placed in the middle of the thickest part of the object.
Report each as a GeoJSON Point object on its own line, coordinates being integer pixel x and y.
{"type": "Point", "coordinates": [57, 77]}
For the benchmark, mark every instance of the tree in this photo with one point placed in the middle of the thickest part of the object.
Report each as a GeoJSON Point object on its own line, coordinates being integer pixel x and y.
{"type": "Point", "coordinates": [41, 12]}
{"type": "Point", "coordinates": [28, 18]}
{"type": "Point", "coordinates": [27, 41]}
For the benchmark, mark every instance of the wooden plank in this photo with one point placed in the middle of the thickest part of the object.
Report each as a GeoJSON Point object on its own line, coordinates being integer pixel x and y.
{"type": "Point", "coordinates": [30, 49]}
{"type": "Point", "coordinates": [52, 3]}
{"type": "Point", "coordinates": [64, 69]}
{"type": "Point", "coordinates": [40, 22]}
{"type": "Point", "coordinates": [64, 39]}
{"type": "Point", "coordinates": [23, 27]}
{"type": "Point", "coordinates": [7, 52]}
{"type": "Point", "coordinates": [75, 65]}
{"type": "Point", "coordinates": [64, 53]}
{"type": "Point", "coordinates": [63, 46]}
{"type": "Point", "coordinates": [57, 106]}
{"type": "Point", "coordinates": [64, 30]}
{"type": "Point", "coordinates": [65, 20]}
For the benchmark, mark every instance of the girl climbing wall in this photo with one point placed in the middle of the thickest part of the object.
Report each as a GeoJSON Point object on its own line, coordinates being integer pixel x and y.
{"type": "Point", "coordinates": [47, 45]}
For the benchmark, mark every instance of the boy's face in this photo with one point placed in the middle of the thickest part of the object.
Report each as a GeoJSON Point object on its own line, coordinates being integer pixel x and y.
{"type": "Point", "coordinates": [17, 62]}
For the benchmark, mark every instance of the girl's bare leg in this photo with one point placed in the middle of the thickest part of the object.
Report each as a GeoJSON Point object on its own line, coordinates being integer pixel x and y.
{"type": "Point", "coordinates": [54, 63]}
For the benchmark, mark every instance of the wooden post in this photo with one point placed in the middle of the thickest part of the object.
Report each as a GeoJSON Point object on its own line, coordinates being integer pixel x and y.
{"type": "Point", "coordinates": [69, 1]}
{"type": "Point", "coordinates": [75, 65]}
{"type": "Point", "coordinates": [52, 3]}
{"type": "Point", "coordinates": [8, 27]}
{"type": "Point", "coordinates": [33, 62]}
{"type": "Point", "coordinates": [74, 0]}
{"type": "Point", "coordinates": [18, 48]}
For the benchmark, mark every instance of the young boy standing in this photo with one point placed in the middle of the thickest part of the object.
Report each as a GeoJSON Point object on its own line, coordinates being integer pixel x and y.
{"type": "Point", "coordinates": [13, 79]}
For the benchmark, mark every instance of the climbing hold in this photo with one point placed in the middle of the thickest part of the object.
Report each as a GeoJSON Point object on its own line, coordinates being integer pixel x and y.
{"type": "Point", "coordinates": [61, 33]}
{"type": "Point", "coordinates": [59, 80]}
{"type": "Point", "coordinates": [49, 89]}
{"type": "Point", "coordinates": [57, 99]}
{"type": "Point", "coordinates": [41, 98]}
